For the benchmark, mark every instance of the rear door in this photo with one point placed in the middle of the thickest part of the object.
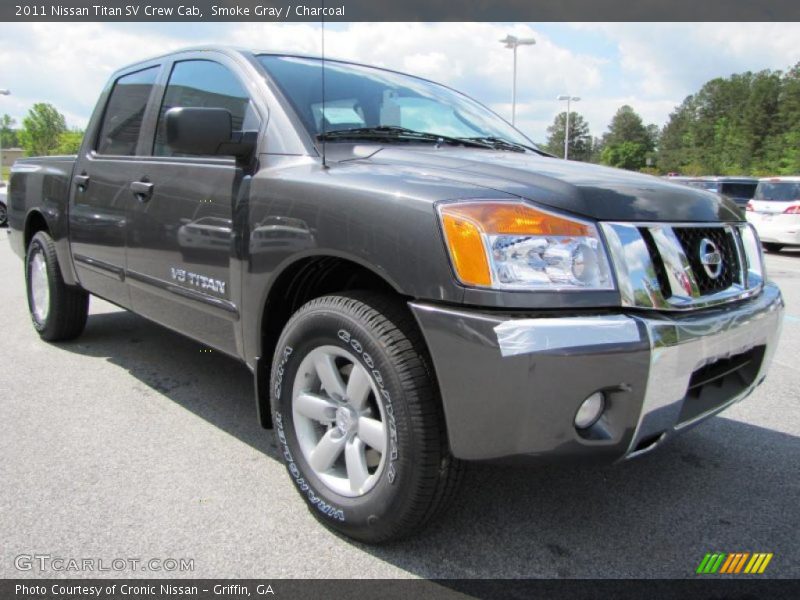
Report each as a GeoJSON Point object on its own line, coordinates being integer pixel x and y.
{"type": "Point", "coordinates": [180, 235]}
{"type": "Point", "coordinates": [101, 196]}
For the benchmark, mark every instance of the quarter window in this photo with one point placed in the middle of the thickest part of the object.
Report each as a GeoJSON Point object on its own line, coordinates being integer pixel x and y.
{"type": "Point", "coordinates": [204, 84]}
{"type": "Point", "coordinates": [122, 120]}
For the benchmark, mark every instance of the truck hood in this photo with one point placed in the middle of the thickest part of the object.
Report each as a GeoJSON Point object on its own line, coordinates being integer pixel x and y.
{"type": "Point", "coordinates": [584, 189]}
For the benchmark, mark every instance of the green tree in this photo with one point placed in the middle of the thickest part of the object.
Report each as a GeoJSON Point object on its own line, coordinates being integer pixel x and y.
{"type": "Point", "coordinates": [580, 141]}
{"type": "Point", "coordinates": [42, 129]}
{"type": "Point", "coordinates": [8, 136]}
{"type": "Point", "coordinates": [69, 142]}
{"type": "Point", "coordinates": [748, 123]}
{"type": "Point", "coordinates": [628, 142]}
{"type": "Point", "coordinates": [625, 155]}
{"type": "Point", "coordinates": [597, 150]}
{"type": "Point", "coordinates": [784, 146]}
{"type": "Point", "coordinates": [676, 146]}
{"type": "Point", "coordinates": [627, 126]}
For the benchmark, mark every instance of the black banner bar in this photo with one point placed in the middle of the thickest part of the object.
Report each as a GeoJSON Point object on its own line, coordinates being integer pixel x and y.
{"type": "Point", "coordinates": [399, 10]}
{"type": "Point", "coordinates": [735, 588]}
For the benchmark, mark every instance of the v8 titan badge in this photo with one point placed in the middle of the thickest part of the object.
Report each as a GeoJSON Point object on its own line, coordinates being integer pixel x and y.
{"type": "Point", "coordinates": [199, 281]}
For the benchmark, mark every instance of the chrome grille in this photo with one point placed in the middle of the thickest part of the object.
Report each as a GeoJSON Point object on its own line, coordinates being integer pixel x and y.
{"type": "Point", "coordinates": [723, 238]}
{"type": "Point", "coordinates": [684, 265]}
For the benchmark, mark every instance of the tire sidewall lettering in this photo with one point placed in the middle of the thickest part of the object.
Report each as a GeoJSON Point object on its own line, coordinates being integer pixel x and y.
{"type": "Point", "coordinates": [356, 346]}
{"type": "Point", "coordinates": [287, 351]}
{"type": "Point", "coordinates": [314, 499]}
{"type": "Point", "coordinates": [283, 377]}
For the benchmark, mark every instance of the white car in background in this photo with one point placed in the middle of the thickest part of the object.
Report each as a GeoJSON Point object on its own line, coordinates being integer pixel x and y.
{"type": "Point", "coordinates": [775, 212]}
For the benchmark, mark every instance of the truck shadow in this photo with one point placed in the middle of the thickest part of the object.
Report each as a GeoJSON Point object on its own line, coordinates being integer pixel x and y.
{"type": "Point", "coordinates": [727, 486]}
{"type": "Point", "coordinates": [212, 385]}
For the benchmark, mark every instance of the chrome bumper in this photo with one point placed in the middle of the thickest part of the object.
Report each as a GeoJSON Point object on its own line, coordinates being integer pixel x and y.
{"type": "Point", "coordinates": [511, 386]}
{"type": "Point", "coordinates": [680, 346]}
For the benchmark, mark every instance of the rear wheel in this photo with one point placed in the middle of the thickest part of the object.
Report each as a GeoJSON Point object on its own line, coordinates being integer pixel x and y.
{"type": "Point", "coordinates": [772, 247]}
{"type": "Point", "coordinates": [3, 215]}
{"type": "Point", "coordinates": [358, 418]}
{"type": "Point", "coordinates": [57, 310]}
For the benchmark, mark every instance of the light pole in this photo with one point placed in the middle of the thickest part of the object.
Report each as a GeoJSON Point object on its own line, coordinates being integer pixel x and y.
{"type": "Point", "coordinates": [512, 41]}
{"type": "Point", "coordinates": [569, 99]}
{"type": "Point", "coordinates": [2, 93]}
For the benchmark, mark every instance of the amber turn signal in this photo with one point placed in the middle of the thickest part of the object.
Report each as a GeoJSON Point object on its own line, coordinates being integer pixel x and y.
{"type": "Point", "coordinates": [466, 223]}
{"type": "Point", "coordinates": [465, 243]}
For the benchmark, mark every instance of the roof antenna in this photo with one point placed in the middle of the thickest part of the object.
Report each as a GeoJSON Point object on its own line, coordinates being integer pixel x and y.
{"type": "Point", "coordinates": [324, 119]}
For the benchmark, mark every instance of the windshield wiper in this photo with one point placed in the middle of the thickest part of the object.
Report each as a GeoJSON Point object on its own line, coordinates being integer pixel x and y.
{"type": "Point", "coordinates": [501, 143]}
{"type": "Point", "coordinates": [392, 132]}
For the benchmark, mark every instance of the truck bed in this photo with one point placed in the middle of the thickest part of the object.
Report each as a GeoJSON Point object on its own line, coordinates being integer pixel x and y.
{"type": "Point", "coordinates": [39, 187]}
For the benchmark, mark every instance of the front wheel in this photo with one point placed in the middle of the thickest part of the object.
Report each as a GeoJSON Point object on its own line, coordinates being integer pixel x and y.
{"type": "Point", "coordinates": [358, 418]}
{"type": "Point", "coordinates": [58, 311]}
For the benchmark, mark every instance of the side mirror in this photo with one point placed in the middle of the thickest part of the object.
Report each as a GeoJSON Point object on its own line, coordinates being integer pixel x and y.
{"type": "Point", "coordinates": [206, 132]}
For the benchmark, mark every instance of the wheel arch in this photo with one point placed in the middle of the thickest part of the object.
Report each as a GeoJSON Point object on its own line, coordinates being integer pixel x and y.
{"type": "Point", "coordinates": [34, 223]}
{"type": "Point", "coordinates": [38, 220]}
{"type": "Point", "coordinates": [299, 281]}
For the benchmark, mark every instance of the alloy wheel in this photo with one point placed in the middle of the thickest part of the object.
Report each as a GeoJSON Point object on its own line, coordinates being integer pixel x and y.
{"type": "Point", "coordinates": [339, 420]}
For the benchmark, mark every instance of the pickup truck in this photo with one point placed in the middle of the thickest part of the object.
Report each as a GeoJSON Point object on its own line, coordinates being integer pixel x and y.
{"type": "Point", "coordinates": [413, 284]}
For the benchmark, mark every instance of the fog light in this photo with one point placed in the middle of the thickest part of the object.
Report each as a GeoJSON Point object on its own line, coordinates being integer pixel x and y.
{"type": "Point", "coordinates": [590, 410]}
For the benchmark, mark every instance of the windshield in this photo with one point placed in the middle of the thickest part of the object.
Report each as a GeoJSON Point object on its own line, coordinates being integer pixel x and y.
{"type": "Point", "coordinates": [784, 191]}
{"type": "Point", "coordinates": [358, 97]}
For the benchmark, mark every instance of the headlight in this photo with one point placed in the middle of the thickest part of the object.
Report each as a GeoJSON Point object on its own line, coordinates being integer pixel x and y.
{"type": "Point", "coordinates": [756, 269]}
{"type": "Point", "coordinates": [511, 245]}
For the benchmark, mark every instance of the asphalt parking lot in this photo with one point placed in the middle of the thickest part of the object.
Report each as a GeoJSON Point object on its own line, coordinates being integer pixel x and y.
{"type": "Point", "coordinates": [133, 442]}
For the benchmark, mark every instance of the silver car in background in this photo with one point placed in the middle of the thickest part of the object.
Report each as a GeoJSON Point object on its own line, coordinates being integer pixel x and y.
{"type": "Point", "coordinates": [738, 189]}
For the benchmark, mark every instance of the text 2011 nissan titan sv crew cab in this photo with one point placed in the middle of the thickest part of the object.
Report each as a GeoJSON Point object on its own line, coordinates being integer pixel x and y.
{"type": "Point", "coordinates": [412, 283]}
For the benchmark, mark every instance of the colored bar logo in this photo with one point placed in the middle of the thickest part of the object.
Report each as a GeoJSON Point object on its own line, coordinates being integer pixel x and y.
{"type": "Point", "coordinates": [734, 563]}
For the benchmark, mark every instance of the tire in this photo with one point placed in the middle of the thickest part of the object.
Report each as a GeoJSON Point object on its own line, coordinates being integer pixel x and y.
{"type": "Point", "coordinates": [3, 215]}
{"type": "Point", "coordinates": [368, 347]}
{"type": "Point", "coordinates": [772, 247]}
{"type": "Point", "coordinates": [57, 310]}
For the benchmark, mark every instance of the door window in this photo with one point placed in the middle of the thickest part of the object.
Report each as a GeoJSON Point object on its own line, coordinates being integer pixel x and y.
{"type": "Point", "coordinates": [204, 84]}
{"type": "Point", "coordinates": [122, 120]}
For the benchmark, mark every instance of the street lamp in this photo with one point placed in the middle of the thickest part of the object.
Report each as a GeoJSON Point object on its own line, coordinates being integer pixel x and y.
{"type": "Point", "coordinates": [512, 41]}
{"type": "Point", "coordinates": [569, 99]}
{"type": "Point", "coordinates": [2, 93]}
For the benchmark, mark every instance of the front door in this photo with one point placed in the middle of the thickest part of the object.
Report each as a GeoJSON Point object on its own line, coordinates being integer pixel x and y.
{"type": "Point", "coordinates": [180, 236]}
{"type": "Point", "coordinates": [101, 195]}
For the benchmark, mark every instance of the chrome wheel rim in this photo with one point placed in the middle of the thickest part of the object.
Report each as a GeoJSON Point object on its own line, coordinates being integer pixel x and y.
{"type": "Point", "coordinates": [40, 286]}
{"type": "Point", "coordinates": [339, 421]}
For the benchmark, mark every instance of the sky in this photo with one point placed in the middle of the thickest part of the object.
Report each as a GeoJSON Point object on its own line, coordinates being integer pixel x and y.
{"type": "Point", "coordinates": [650, 66]}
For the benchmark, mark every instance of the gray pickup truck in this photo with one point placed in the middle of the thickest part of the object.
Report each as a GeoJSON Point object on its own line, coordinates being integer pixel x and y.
{"type": "Point", "coordinates": [412, 283]}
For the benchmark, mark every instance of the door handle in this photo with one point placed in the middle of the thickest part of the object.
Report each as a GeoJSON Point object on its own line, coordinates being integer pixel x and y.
{"type": "Point", "coordinates": [142, 190]}
{"type": "Point", "coordinates": [81, 181]}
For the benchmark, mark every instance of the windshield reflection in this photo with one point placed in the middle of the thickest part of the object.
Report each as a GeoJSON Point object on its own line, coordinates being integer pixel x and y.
{"type": "Point", "coordinates": [357, 97]}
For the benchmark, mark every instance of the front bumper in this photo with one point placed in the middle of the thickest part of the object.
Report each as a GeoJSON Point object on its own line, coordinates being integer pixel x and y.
{"type": "Point", "coordinates": [511, 386]}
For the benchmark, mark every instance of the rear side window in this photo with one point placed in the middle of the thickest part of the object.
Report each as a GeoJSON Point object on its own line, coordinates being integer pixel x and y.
{"type": "Point", "coordinates": [739, 190]}
{"type": "Point", "coordinates": [122, 120]}
{"type": "Point", "coordinates": [204, 84]}
{"type": "Point", "coordinates": [781, 191]}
